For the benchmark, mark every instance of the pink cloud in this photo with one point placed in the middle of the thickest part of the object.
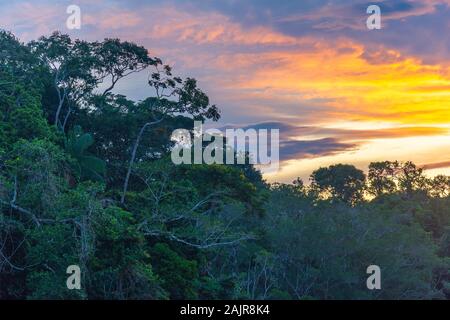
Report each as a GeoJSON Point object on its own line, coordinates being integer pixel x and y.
{"type": "Point", "coordinates": [113, 19]}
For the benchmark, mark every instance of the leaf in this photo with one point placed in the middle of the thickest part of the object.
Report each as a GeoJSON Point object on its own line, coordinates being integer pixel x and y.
{"type": "Point", "coordinates": [93, 164]}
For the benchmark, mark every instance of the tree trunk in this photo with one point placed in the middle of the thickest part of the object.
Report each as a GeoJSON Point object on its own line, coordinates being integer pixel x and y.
{"type": "Point", "coordinates": [133, 158]}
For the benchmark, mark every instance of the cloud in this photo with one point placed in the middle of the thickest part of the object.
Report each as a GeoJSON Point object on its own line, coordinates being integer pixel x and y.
{"type": "Point", "coordinates": [356, 84]}
{"type": "Point", "coordinates": [306, 66]}
{"type": "Point", "coordinates": [291, 131]}
{"type": "Point", "coordinates": [306, 142]}
{"type": "Point", "coordinates": [113, 19]}
{"type": "Point", "coordinates": [261, 70]}
{"type": "Point", "coordinates": [297, 149]}
{"type": "Point", "coordinates": [436, 165]}
{"type": "Point", "coordinates": [381, 56]}
{"type": "Point", "coordinates": [29, 19]}
{"type": "Point", "coordinates": [338, 16]}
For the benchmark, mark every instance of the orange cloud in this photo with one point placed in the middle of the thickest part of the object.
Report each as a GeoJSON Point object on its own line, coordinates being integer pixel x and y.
{"type": "Point", "coordinates": [402, 90]}
{"type": "Point", "coordinates": [260, 72]}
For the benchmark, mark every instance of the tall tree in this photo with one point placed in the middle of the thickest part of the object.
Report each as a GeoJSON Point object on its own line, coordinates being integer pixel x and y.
{"type": "Point", "coordinates": [381, 177]}
{"type": "Point", "coordinates": [70, 63]}
{"type": "Point", "coordinates": [341, 181]}
{"type": "Point", "coordinates": [173, 96]}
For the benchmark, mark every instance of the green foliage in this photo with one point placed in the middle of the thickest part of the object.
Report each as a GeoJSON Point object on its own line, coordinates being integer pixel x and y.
{"type": "Point", "coordinates": [77, 143]}
{"type": "Point", "coordinates": [47, 280]}
{"type": "Point", "coordinates": [188, 231]}
{"type": "Point", "coordinates": [381, 177]}
{"type": "Point", "coordinates": [21, 115]}
{"type": "Point", "coordinates": [325, 252]}
{"type": "Point", "coordinates": [178, 275]}
{"type": "Point", "coordinates": [121, 266]}
{"type": "Point", "coordinates": [342, 182]}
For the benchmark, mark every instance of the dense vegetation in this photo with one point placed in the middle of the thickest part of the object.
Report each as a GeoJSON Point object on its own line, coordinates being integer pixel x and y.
{"type": "Point", "coordinates": [85, 179]}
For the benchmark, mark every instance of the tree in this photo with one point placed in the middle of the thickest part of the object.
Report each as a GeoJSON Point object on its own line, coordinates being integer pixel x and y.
{"type": "Point", "coordinates": [76, 144]}
{"type": "Point", "coordinates": [21, 111]}
{"type": "Point", "coordinates": [186, 231]}
{"type": "Point", "coordinates": [18, 61]}
{"type": "Point", "coordinates": [411, 178]}
{"type": "Point", "coordinates": [189, 211]}
{"type": "Point", "coordinates": [70, 63]}
{"type": "Point", "coordinates": [185, 96]}
{"type": "Point", "coordinates": [321, 251]}
{"type": "Point", "coordinates": [439, 186]}
{"type": "Point", "coordinates": [116, 60]}
{"type": "Point", "coordinates": [343, 182]}
{"type": "Point", "coordinates": [78, 67]}
{"type": "Point", "coordinates": [381, 177]}
{"type": "Point", "coordinates": [180, 275]}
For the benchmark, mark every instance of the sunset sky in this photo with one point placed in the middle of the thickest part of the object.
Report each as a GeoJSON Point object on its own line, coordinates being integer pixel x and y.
{"type": "Point", "coordinates": [338, 92]}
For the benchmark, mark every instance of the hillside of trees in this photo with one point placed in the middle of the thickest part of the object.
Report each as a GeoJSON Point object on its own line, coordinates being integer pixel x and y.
{"type": "Point", "coordinates": [86, 179]}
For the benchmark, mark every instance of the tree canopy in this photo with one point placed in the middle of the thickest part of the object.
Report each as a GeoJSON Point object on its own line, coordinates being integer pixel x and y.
{"type": "Point", "coordinates": [86, 179]}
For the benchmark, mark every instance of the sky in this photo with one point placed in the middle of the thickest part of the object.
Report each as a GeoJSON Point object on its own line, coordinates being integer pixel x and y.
{"type": "Point", "coordinates": [337, 91]}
